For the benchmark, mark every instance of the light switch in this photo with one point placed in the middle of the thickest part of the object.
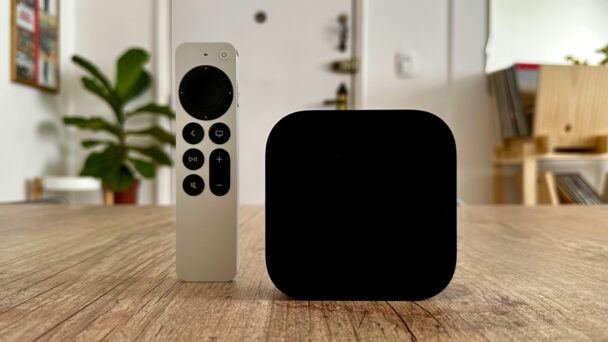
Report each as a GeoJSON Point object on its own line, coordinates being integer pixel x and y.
{"type": "Point", "coordinates": [405, 65]}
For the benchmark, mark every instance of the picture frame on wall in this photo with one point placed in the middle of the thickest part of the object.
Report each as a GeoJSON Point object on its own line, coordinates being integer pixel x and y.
{"type": "Point", "coordinates": [35, 43]}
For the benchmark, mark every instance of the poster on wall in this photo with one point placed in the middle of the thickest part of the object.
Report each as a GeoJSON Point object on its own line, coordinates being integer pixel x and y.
{"type": "Point", "coordinates": [35, 43]}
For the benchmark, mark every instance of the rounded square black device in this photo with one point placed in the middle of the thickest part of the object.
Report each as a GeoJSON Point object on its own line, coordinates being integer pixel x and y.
{"type": "Point", "coordinates": [361, 205]}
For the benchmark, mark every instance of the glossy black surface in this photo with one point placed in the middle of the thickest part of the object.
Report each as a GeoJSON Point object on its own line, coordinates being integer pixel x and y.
{"type": "Point", "coordinates": [193, 133]}
{"type": "Point", "coordinates": [219, 172]}
{"type": "Point", "coordinates": [219, 133]}
{"type": "Point", "coordinates": [193, 159]}
{"type": "Point", "coordinates": [205, 92]}
{"type": "Point", "coordinates": [361, 205]}
{"type": "Point", "coordinates": [193, 185]}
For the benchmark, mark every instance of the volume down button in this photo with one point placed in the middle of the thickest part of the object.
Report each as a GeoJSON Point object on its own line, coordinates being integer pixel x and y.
{"type": "Point", "coordinates": [219, 172]}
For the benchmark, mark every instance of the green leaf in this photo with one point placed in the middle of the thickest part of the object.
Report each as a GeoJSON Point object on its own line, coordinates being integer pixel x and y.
{"type": "Point", "coordinates": [100, 163]}
{"type": "Point", "coordinates": [131, 77]}
{"type": "Point", "coordinates": [93, 70]}
{"type": "Point", "coordinates": [140, 87]}
{"type": "Point", "coordinates": [109, 166]}
{"type": "Point", "coordinates": [157, 132]}
{"type": "Point", "coordinates": [93, 165]}
{"type": "Point", "coordinates": [88, 143]}
{"type": "Point", "coordinates": [155, 109]}
{"type": "Point", "coordinates": [93, 124]}
{"type": "Point", "coordinates": [145, 168]}
{"type": "Point", "coordinates": [95, 88]}
{"type": "Point", "coordinates": [109, 96]}
{"type": "Point", "coordinates": [119, 179]}
{"type": "Point", "coordinates": [155, 153]}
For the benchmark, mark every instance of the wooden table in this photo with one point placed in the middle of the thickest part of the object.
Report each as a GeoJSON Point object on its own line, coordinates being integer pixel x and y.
{"type": "Point", "coordinates": [109, 272]}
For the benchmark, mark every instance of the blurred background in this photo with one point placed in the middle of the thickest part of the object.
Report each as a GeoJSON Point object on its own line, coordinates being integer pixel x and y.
{"type": "Point", "coordinates": [464, 60]}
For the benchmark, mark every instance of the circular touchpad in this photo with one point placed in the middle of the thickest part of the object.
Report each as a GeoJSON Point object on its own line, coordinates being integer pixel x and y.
{"type": "Point", "coordinates": [205, 92]}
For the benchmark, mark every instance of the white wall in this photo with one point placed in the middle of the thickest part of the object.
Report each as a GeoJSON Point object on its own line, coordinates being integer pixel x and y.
{"type": "Point", "coordinates": [545, 31]}
{"type": "Point", "coordinates": [447, 39]}
{"type": "Point", "coordinates": [33, 139]}
{"type": "Point", "coordinates": [415, 27]}
{"type": "Point", "coordinates": [30, 120]}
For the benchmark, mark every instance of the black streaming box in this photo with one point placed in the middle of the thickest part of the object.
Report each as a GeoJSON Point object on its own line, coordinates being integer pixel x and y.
{"type": "Point", "coordinates": [361, 205]}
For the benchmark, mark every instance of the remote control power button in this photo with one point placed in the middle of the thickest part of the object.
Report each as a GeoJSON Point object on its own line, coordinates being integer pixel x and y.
{"type": "Point", "coordinates": [219, 133]}
{"type": "Point", "coordinates": [193, 133]}
{"type": "Point", "coordinates": [193, 159]}
{"type": "Point", "coordinates": [219, 172]}
{"type": "Point", "coordinates": [224, 55]}
{"type": "Point", "coordinates": [193, 185]}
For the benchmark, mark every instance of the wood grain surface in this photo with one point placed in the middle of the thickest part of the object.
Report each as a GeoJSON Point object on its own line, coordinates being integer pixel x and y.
{"type": "Point", "coordinates": [91, 273]}
{"type": "Point", "coordinates": [571, 105]}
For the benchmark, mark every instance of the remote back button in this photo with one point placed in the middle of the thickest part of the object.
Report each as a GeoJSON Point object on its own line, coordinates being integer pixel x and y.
{"type": "Point", "coordinates": [193, 133]}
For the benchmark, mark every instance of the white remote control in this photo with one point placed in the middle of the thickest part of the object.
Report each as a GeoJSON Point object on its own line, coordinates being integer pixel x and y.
{"type": "Point", "coordinates": [205, 88]}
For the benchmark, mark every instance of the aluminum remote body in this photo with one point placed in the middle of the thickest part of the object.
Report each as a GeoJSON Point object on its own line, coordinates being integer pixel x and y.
{"type": "Point", "coordinates": [205, 101]}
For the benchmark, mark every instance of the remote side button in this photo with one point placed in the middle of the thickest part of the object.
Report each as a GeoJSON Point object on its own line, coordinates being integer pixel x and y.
{"type": "Point", "coordinates": [219, 133]}
{"type": "Point", "coordinates": [219, 172]}
{"type": "Point", "coordinates": [193, 185]}
{"type": "Point", "coordinates": [193, 133]}
{"type": "Point", "coordinates": [193, 159]}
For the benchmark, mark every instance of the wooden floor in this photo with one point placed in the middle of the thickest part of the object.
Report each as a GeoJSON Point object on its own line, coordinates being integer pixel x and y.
{"type": "Point", "coordinates": [93, 273]}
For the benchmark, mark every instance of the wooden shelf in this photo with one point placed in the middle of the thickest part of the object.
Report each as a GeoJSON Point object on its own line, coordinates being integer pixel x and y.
{"type": "Point", "coordinates": [529, 164]}
{"type": "Point", "coordinates": [528, 153]}
{"type": "Point", "coordinates": [553, 156]}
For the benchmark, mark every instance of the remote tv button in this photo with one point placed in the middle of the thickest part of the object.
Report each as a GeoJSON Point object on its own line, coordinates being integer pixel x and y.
{"type": "Point", "coordinates": [219, 172]}
{"type": "Point", "coordinates": [193, 185]}
{"type": "Point", "coordinates": [193, 133]}
{"type": "Point", "coordinates": [219, 133]}
{"type": "Point", "coordinates": [193, 159]}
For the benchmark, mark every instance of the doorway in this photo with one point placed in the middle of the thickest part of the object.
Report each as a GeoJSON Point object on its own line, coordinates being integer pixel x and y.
{"type": "Point", "coordinates": [293, 55]}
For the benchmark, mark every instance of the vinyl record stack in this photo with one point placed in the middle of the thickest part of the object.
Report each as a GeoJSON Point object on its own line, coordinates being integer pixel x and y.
{"type": "Point", "coordinates": [515, 91]}
{"type": "Point", "coordinates": [572, 188]}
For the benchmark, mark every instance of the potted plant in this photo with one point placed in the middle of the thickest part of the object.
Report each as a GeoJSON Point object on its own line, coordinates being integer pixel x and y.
{"type": "Point", "coordinates": [117, 160]}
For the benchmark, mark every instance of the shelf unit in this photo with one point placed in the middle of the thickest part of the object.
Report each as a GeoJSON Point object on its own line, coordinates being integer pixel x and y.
{"type": "Point", "coordinates": [570, 124]}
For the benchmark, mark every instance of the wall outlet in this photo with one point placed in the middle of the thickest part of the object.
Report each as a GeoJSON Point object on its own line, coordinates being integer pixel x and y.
{"type": "Point", "coordinates": [405, 65]}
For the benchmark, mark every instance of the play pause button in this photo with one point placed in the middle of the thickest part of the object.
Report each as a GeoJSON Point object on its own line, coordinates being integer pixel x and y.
{"type": "Point", "coordinates": [193, 159]}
